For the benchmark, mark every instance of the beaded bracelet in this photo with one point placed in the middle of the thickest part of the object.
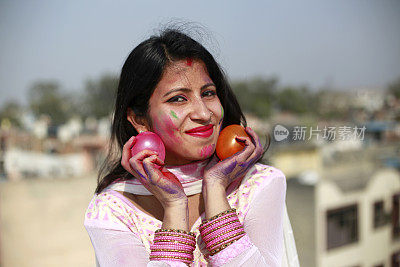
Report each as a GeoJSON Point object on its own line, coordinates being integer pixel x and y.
{"type": "Point", "coordinates": [174, 245]}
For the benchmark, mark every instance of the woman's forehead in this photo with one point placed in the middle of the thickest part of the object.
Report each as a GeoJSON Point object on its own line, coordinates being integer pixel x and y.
{"type": "Point", "coordinates": [180, 74]}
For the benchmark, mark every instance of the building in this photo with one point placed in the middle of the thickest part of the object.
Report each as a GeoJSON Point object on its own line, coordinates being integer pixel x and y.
{"type": "Point", "coordinates": [344, 209]}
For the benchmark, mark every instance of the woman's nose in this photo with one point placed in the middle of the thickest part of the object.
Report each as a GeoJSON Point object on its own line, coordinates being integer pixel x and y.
{"type": "Point", "coordinates": [200, 111]}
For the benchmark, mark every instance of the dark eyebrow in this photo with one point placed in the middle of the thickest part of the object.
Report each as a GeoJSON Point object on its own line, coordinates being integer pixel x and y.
{"type": "Point", "coordinates": [187, 89]}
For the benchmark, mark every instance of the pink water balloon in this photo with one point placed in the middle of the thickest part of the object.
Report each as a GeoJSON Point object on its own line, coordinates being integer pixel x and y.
{"type": "Point", "coordinates": [150, 141]}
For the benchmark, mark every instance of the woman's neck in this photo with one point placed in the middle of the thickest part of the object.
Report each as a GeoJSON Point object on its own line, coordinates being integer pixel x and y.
{"type": "Point", "coordinates": [173, 161]}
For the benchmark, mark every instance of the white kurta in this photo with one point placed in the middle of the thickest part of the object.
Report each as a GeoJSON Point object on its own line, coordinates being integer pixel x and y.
{"type": "Point", "coordinates": [121, 234]}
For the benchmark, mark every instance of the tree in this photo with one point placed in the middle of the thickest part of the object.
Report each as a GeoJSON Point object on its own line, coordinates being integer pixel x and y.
{"type": "Point", "coordinates": [100, 96]}
{"type": "Point", "coordinates": [256, 95]}
{"type": "Point", "coordinates": [45, 97]}
{"type": "Point", "coordinates": [394, 88]}
{"type": "Point", "coordinates": [11, 111]}
{"type": "Point", "coordinates": [297, 100]}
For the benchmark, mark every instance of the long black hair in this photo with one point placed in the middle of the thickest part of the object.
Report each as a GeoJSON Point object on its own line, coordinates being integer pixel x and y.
{"type": "Point", "coordinates": [140, 74]}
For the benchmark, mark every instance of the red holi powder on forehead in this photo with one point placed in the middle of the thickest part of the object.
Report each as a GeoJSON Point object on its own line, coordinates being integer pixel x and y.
{"type": "Point", "coordinates": [189, 62]}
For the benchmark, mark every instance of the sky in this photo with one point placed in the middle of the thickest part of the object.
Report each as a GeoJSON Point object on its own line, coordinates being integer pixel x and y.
{"type": "Point", "coordinates": [341, 44]}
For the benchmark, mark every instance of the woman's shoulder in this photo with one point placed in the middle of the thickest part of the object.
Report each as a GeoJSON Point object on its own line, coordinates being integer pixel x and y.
{"type": "Point", "coordinates": [261, 180]}
{"type": "Point", "coordinates": [110, 200]}
{"type": "Point", "coordinates": [107, 208]}
{"type": "Point", "coordinates": [262, 175]}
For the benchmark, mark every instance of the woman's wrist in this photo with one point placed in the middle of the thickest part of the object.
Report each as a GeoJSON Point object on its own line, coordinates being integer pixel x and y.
{"type": "Point", "coordinates": [215, 200]}
{"type": "Point", "coordinates": [213, 184]}
{"type": "Point", "coordinates": [176, 216]}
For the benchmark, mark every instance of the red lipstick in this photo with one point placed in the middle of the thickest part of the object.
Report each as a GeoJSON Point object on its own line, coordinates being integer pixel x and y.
{"type": "Point", "coordinates": [203, 131]}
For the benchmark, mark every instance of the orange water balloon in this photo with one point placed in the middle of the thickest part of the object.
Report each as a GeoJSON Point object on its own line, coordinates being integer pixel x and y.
{"type": "Point", "coordinates": [227, 144]}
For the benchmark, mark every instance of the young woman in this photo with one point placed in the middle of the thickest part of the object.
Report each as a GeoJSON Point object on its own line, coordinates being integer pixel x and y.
{"type": "Point", "coordinates": [227, 212]}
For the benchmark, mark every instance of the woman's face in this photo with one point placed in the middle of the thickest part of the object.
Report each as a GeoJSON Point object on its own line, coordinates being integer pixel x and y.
{"type": "Point", "coordinates": [186, 98]}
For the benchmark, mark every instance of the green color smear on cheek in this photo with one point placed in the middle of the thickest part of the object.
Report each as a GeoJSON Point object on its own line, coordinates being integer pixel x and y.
{"type": "Point", "coordinates": [174, 114]}
{"type": "Point", "coordinates": [222, 115]}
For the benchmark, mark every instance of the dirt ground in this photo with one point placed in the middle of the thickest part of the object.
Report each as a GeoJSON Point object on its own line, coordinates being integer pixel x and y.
{"type": "Point", "coordinates": [41, 222]}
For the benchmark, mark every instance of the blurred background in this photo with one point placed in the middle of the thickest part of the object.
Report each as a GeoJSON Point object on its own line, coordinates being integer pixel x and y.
{"type": "Point", "coordinates": [321, 77]}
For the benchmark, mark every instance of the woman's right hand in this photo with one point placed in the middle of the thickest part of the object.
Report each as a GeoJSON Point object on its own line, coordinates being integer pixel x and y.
{"type": "Point", "coordinates": [148, 168]}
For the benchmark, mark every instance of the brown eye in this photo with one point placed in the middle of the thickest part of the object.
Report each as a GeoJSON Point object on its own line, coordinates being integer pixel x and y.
{"type": "Point", "coordinates": [210, 93]}
{"type": "Point", "coordinates": [176, 99]}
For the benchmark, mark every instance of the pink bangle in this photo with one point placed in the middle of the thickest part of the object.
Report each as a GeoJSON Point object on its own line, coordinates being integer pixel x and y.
{"type": "Point", "coordinates": [213, 230]}
{"type": "Point", "coordinates": [223, 232]}
{"type": "Point", "coordinates": [177, 240]}
{"type": "Point", "coordinates": [210, 229]}
{"type": "Point", "coordinates": [226, 234]}
{"type": "Point", "coordinates": [185, 248]}
{"type": "Point", "coordinates": [225, 245]}
{"type": "Point", "coordinates": [171, 258]}
{"type": "Point", "coordinates": [216, 218]}
{"type": "Point", "coordinates": [220, 241]}
{"type": "Point", "coordinates": [225, 217]}
{"type": "Point", "coordinates": [175, 245]}
{"type": "Point", "coordinates": [171, 253]}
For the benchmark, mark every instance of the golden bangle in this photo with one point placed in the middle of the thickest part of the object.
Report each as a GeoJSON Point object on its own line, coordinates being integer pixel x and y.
{"type": "Point", "coordinates": [219, 215]}
{"type": "Point", "coordinates": [173, 257]}
{"type": "Point", "coordinates": [216, 228]}
{"type": "Point", "coordinates": [177, 235]}
{"type": "Point", "coordinates": [223, 233]}
{"type": "Point", "coordinates": [229, 237]}
{"type": "Point", "coordinates": [172, 250]}
{"type": "Point", "coordinates": [217, 220]}
{"type": "Point", "coordinates": [176, 241]}
{"type": "Point", "coordinates": [175, 231]}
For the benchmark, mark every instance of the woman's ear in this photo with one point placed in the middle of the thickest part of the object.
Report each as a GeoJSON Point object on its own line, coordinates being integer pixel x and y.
{"type": "Point", "coordinates": [138, 122]}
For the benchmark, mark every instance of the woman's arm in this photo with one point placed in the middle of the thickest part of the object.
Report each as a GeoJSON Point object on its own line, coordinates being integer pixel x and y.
{"type": "Point", "coordinates": [215, 201]}
{"type": "Point", "coordinates": [114, 235]}
{"type": "Point", "coordinates": [116, 248]}
{"type": "Point", "coordinates": [262, 244]}
{"type": "Point", "coordinates": [176, 216]}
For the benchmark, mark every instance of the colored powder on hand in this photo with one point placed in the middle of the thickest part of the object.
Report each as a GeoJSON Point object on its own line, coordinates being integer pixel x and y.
{"type": "Point", "coordinates": [230, 168]}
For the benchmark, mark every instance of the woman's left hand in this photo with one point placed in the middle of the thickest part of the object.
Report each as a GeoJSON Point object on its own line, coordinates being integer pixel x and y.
{"type": "Point", "coordinates": [233, 167]}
